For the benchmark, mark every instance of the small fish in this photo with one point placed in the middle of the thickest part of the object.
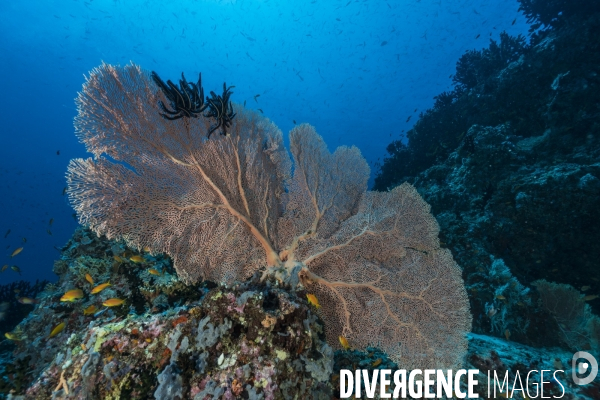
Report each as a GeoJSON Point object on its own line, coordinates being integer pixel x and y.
{"type": "Point", "coordinates": [261, 111]}
{"type": "Point", "coordinates": [49, 232]}
{"type": "Point", "coordinates": [500, 297]}
{"type": "Point", "coordinates": [154, 272]}
{"type": "Point", "coordinates": [12, 336]}
{"type": "Point", "coordinates": [113, 302]}
{"type": "Point", "coordinates": [148, 340]}
{"type": "Point", "coordinates": [590, 297]}
{"type": "Point", "coordinates": [58, 152]}
{"type": "Point", "coordinates": [99, 313]}
{"type": "Point", "coordinates": [344, 342]}
{"type": "Point", "coordinates": [27, 300]}
{"type": "Point", "coordinates": [89, 278]}
{"type": "Point", "coordinates": [6, 234]}
{"type": "Point", "coordinates": [294, 121]}
{"type": "Point", "coordinates": [146, 249]}
{"type": "Point", "coordinates": [17, 251]}
{"type": "Point", "coordinates": [477, 37]}
{"type": "Point", "coordinates": [64, 190]}
{"type": "Point", "coordinates": [72, 295]}
{"type": "Point", "coordinates": [16, 269]}
{"type": "Point", "coordinates": [585, 288]}
{"type": "Point", "coordinates": [507, 334]}
{"type": "Point", "coordinates": [118, 259]}
{"type": "Point", "coordinates": [90, 310]}
{"type": "Point", "coordinates": [376, 362]}
{"type": "Point", "coordinates": [24, 240]}
{"type": "Point", "coordinates": [17, 291]}
{"type": "Point", "coordinates": [255, 97]}
{"type": "Point", "coordinates": [408, 119]}
{"type": "Point", "coordinates": [100, 288]}
{"type": "Point", "coordinates": [137, 259]}
{"type": "Point", "coordinates": [514, 20]}
{"type": "Point", "coordinates": [4, 268]}
{"type": "Point", "coordinates": [57, 329]}
{"type": "Point", "coordinates": [312, 299]}
{"type": "Point", "coordinates": [383, 43]}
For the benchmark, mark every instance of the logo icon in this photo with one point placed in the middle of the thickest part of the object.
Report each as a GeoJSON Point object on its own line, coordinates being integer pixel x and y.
{"type": "Point", "coordinates": [580, 368]}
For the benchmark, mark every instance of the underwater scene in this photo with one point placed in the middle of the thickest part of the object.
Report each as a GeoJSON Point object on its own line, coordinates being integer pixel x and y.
{"type": "Point", "coordinates": [326, 199]}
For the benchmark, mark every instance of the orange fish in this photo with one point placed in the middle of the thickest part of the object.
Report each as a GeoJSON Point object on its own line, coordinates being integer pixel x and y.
{"type": "Point", "coordinates": [17, 251]}
{"type": "Point", "coordinates": [57, 329]}
{"type": "Point", "coordinates": [90, 310]}
{"type": "Point", "coordinates": [72, 295]}
{"type": "Point", "coordinates": [113, 302]}
{"type": "Point", "coordinates": [154, 272]}
{"type": "Point", "coordinates": [100, 288]}
{"type": "Point", "coordinates": [344, 343]}
{"type": "Point", "coordinates": [312, 299]}
{"type": "Point", "coordinates": [137, 259]}
{"type": "Point", "coordinates": [89, 278]}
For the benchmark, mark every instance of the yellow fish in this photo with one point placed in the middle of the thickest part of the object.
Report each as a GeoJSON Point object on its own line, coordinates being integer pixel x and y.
{"type": "Point", "coordinates": [312, 299]}
{"type": "Point", "coordinates": [507, 334]}
{"type": "Point", "coordinates": [4, 267]}
{"type": "Point", "coordinates": [585, 288]}
{"type": "Point", "coordinates": [89, 278]}
{"type": "Point", "coordinates": [57, 329]}
{"type": "Point", "coordinates": [12, 336]}
{"type": "Point", "coordinates": [100, 288]}
{"type": "Point", "coordinates": [147, 249]}
{"type": "Point", "coordinates": [137, 259]}
{"type": "Point", "coordinates": [17, 251]}
{"type": "Point", "coordinates": [344, 343]}
{"type": "Point", "coordinates": [118, 259]}
{"type": "Point", "coordinates": [376, 362]}
{"type": "Point", "coordinates": [590, 297]}
{"type": "Point", "coordinates": [16, 269]}
{"type": "Point", "coordinates": [500, 297]}
{"type": "Point", "coordinates": [90, 310]}
{"type": "Point", "coordinates": [154, 272]}
{"type": "Point", "coordinates": [72, 295]}
{"type": "Point", "coordinates": [27, 300]}
{"type": "Point", "coordinates": [113, 302]}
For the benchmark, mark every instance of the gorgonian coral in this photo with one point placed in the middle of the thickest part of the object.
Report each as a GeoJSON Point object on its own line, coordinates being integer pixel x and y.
{"type": "Point", "coordinates": [230, 206]}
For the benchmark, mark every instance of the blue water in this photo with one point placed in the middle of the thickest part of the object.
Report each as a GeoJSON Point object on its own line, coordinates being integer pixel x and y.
{"type": "Point", "coordinates": [356, 70]}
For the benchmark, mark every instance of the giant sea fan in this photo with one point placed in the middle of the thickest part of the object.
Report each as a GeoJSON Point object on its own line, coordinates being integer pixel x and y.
{"type": "Point", "coordinates": [223, 208]}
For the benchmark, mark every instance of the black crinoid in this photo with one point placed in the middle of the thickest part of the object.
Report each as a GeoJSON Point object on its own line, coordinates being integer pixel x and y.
{"type": "Point", "coordinates": [219, 108]}
{"type": "Point", "coordinates": [187, 100]}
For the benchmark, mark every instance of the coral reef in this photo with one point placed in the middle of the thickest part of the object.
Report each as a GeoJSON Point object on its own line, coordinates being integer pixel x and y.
{"type": "Point", "coordinates": [228, 207]}
{"type": "Point", "coordinates": [12, 311]}
{"type": "Point", "coordinates": [255, 339]}
{"type": "Point", "coordinates": [549, 84]}
{"type": "Point", "coordinates": [513, 176]}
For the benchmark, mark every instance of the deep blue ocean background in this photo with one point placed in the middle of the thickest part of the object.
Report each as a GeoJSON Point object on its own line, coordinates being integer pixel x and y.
{"type": "Point", "coordinates": [359, 71]}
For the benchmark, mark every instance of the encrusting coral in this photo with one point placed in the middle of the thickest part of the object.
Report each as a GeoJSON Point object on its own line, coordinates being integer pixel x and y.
{"type": "Point", "coordinates": [251, 339]}
{"type": "Point", "coordinates": [226, 207]}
